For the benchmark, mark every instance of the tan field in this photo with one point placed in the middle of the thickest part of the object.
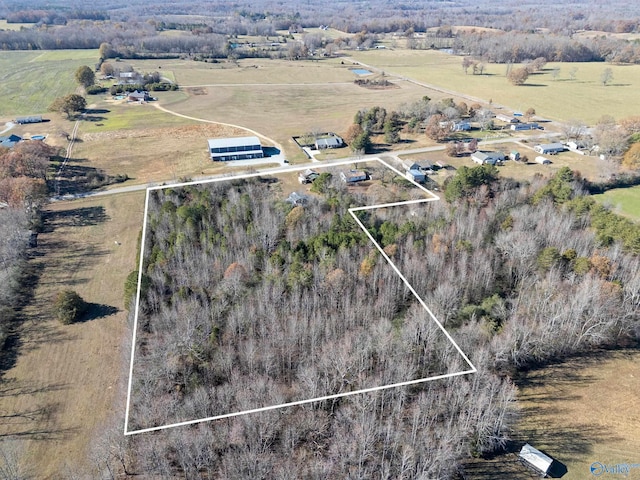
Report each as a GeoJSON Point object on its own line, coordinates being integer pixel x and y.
{"type": "Point", "coordinates": [68, 380]}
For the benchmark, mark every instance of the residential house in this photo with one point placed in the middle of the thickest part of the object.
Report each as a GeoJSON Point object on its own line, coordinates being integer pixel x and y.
{"type": "Point", "coordinates": [307, 176]}
{"type": "Point", "coordinates": [329, 142]}
{"type": "Point", "coordinates": [550, 148]}
{"type": "Point", "coordinates": [507, 118]}
{"type": "Point", "coordinates": [129, 78]}
{"type": "Point", "coordinates": [9, 141]}
{"type": "Point", "coordinates": [296, 199]}
{"type": "Point", "coordinates": [416, 175]}
{"type": "Point", "coordinates": [422, 165]}
{"type": "Point", "coordinates": [138, 96]}
{"type": "Point", "coordinates": [487, 158]}
{"type": "Point", "coordinates": [524, 126]}
{"type": "Point", "coordinates": [354, 176]}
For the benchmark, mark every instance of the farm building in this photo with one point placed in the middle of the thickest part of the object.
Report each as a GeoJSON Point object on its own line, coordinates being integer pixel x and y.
{"type": "Point", "coordinates": [9, 141]}
{"type": "Point", "coordinates": [507, 118]}
{"type": "Point", "coordinates": [549, 148]}
{"type": "Point", "coordinates": [525, 126]}
{"type": "Point", "coordinates": [329, 142]}
{"type": "Point", "coordinates": [542, 160]}
{"type": "Point", "coordinates": [354, 176]}
{"type": "Point", "coordinates": [416, 175]}
{"type": "Point", "coordinates": [29, 119]}
{"type": "Point", "coordinates": [238, 148]}
{"type": "Point", "coordinates": [307, 176]}
{"type": "Point", "coordinates": [487, 158]}
{"type": "Point", "coordinates": [129, 78]}
{"type": "Point", "coordinates": [535, 459]}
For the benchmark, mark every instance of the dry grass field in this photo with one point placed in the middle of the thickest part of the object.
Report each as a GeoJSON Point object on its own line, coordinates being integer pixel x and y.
{"type": "Point", "coordinates": [583, 98]}
{"type": "Point", "coordinates": [67, 380]}
{"type": "Point", "coordinates": [582, 411]}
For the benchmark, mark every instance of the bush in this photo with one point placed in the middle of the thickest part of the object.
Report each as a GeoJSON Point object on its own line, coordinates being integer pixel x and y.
{"type": "Point", "coordinates": [95, 89]}
{"type": "Point", "coordinates": [69, 307]}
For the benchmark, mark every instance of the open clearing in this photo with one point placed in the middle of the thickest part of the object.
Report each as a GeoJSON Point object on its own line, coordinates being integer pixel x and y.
{"type": "Point", "coordinates": [625, 201]}
{"type": "Point", "coordinates": [67, 379]}
{"type": "Point", "coordinates": [40, 77]}
{"type": "Point", "coordinates": [563, 99]}
{"type": "Point", "coordinates": [582, 411]}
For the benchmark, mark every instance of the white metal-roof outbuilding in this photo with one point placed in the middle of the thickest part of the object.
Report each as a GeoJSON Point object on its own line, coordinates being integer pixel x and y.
{"type": "Point", "coordinates": [536, 459]}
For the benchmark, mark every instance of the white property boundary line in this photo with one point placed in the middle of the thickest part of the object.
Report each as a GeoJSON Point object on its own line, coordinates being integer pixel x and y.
{"type": "Point", "coordinates": [433, 197]}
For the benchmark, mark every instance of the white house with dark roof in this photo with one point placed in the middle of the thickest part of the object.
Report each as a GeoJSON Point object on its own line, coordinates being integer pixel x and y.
{"type": "Point", "coordinates": [354, 176]}
{"type": "Point", "coordinates": [329, 142]}
{"type": "Point", "coordinates": [237, 148]}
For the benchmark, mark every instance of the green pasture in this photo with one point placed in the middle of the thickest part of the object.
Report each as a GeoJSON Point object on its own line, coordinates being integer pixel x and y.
{"type": "Point", "coordinates": [112, 116]}
{"type": "Point", "coordinates": [583, 98]}
{"type": "Point", "coordinates": [13, 26]}
{"type": "Point", "coordinates": [31, 80]}
{"type": "Point", "coordinates": [625, 201]}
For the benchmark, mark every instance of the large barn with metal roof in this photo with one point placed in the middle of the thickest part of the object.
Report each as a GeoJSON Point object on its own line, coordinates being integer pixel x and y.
{"type": "Point", "coordinates": [238, 148]}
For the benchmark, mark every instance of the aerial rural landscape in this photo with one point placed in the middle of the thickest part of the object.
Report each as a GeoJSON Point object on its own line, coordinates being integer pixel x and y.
{"type": "Point", "coordinates": [285, 240]}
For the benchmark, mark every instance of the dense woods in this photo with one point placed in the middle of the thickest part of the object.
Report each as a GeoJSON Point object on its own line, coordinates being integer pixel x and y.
{"type": "Point", "coordinates": [250, 301]}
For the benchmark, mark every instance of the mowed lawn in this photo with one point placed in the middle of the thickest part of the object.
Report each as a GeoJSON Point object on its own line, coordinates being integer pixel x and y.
{"type": "Point", "coordinates": [584, 98]}
{"type": "Point", "coordinates": [625, 201]}
{"type": "Point", "coordinates": [31, 80]}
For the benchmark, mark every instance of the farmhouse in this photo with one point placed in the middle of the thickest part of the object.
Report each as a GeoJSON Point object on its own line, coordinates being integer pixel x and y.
{"type": "Point", "coordinates": [354, 176]}
{"type": "Point", "coordinates": [549, 148]}
{"type": "Point", "coordinates": [307, 176]}
{"type": "Point", "coordinates": [29, 119]}
{"type": "Point", "coordinates": [9, 141]}
{"type": "Point", "coordinates": [329, 142]}
{"type": "Point", "coordinates": [487, 158]}
{"type": "Point", "coordinates": [238, 148]}
{"type": "Point", "coordinates": [535, 459]}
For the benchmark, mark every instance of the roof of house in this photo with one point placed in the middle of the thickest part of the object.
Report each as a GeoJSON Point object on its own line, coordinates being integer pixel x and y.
{"type": "Point", "coordinates": [353, 175]}
{"type": "Point", "coordinates": [138, 94]}
{"type": "Point", "coordinates": [233, 142]}
{"type": "Point", "coordinates": [551, 146]}
{"type": "Point", "coordinates": [487, 155]}
{"type": "Point", "coordinates": [9, 141]}
{"type": "Point", "coordinates": [295, 198]}
{"type": "Point", "coordinates": [329, 142]}
{"type": "Point", "coordinates": [416, 173]}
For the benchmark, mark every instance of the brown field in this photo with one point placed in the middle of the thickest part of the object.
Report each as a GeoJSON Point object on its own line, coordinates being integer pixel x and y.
{"type": "Point", "coordinates": [582, 411]}
{"type": "Point", "coordinates": [67, 380]}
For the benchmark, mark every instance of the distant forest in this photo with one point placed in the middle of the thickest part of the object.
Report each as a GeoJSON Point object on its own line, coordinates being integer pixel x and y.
{"type": "Point", "coordinates": [251, 301]}
{"type": "Point", "coordinates": [533, 29]}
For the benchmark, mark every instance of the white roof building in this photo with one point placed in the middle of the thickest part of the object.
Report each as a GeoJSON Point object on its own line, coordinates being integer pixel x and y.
{"type": "Point", "coordinates": [237, 148]}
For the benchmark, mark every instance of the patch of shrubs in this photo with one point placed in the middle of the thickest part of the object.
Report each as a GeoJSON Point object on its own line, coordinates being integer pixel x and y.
{"type": "Point", "coordinates": [69, 307]}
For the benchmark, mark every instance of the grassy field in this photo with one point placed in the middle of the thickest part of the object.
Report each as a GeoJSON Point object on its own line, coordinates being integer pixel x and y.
{"type": "Point", "coordinates": [583, 98]}
{"type": "Point", "coordinates": [625, 201]}
{"type": "Point", "coordinates": [67, 379]}
{"type": "Point", "coordinates": [13, 26]}
{"type": "Point", "coordinates": [30, 81]}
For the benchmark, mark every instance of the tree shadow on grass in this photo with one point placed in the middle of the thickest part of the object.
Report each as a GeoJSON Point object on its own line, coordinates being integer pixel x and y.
{"type": "Point", "coordinates": [75, 217]}
{"type": "Point", "coordinates": [96, 311]}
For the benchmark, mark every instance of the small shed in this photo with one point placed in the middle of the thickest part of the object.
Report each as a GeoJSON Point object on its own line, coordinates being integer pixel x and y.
{"type": "Point", "coordinates": [542, 160]}
{"type": "Point", "coordinates": [535, 459]}
{"type": "Point", "coordinates": [514, 155]}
